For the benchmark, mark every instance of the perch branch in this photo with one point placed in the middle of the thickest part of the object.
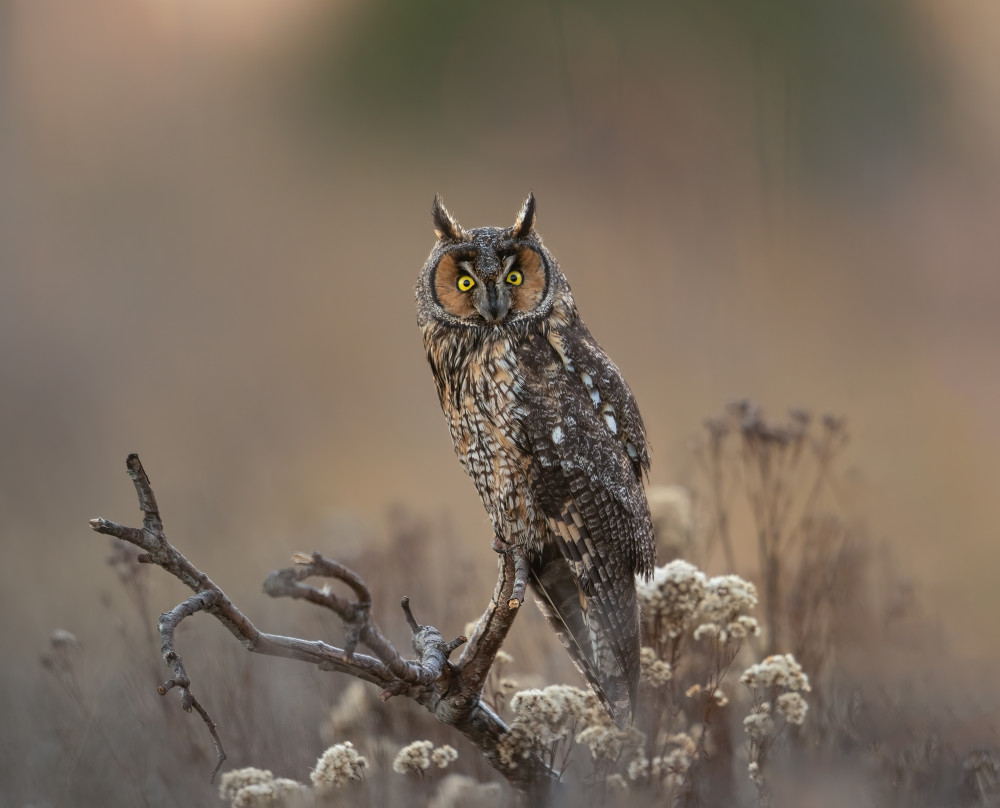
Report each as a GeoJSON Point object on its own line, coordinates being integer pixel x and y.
{"type": "Point", "coordinates": [491, 630]}
{"type": "Point", "coordinates": [356, 616]}
{"type": "Point", "coordinates": [452, 692]}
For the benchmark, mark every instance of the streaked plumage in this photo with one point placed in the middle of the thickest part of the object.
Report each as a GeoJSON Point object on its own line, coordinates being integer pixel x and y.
{"type": "Point", "coordinates": [549, 432]}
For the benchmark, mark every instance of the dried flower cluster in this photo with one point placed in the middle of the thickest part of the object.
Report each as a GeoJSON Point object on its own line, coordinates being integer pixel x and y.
{"type": "Point", "coordinates": [250, 787]}
{"type": "Point", "coordinates": [653, 671]}
{"type": "Point", "coordinates": [776, 685]}
{"type": "Point", "coordinates": [238, 779]}
{"type": "Point", "coordinates": [724, 609]}
{"type": "Point", "coordinates": [414, 758]}
{"type": "Point", "coordinates": [779, 670]}
{"type": "Point", "coordinates": [669, 769]}
{"type": "Point", "coordinates": [671, 598]}
{"type": "Point", "coordinates": [759, 724]}
{"type": "Point", "coordinates": [417, 757]}
{"type": "Point", "coordinates": [608, 744]}
{"type": "Point", "coordinates": [792, 707]}
{"type": "Point", "coordinates": [444, 755]}
{"type": "Point", "coordinates": [545, 717]}
{"type": "Point", "coordinates": [338, 765]}
{"type": "Point", "coordinates": [674, 732]}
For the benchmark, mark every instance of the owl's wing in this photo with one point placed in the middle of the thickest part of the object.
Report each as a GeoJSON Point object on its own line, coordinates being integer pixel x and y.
{"type": "Point", "coordinates": [589, 447]}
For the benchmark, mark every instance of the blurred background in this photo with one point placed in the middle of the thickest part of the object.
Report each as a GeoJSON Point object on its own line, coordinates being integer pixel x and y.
{"type": "Point", "coordinates": [212, 216]}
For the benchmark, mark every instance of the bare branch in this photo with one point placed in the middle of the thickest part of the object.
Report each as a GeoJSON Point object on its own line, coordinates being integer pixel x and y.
{"type": "Point", "coordinates": [356, 616]}
{"type": "Point", "coordinates": [213, 730]}
{"type": "Point", "coordinates": [491, 631]}
{"type": "Point", "coordinates": [452, 692]}
{"type": "Point", "coordinates": [168, 623]}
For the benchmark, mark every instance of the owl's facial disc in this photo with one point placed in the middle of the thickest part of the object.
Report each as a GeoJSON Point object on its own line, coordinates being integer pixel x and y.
{"type": "Point", "coordinates": [491, 286]}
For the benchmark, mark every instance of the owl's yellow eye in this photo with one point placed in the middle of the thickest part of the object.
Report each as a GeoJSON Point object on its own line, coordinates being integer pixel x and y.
{"type": "Point", "coordinates": [514, 278]}
{"type": "Point", "coordinates": [465, 283]}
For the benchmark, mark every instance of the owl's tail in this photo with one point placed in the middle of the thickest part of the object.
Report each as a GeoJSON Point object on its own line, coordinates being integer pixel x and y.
{"type": "Point", "coordinates": [602, 634]}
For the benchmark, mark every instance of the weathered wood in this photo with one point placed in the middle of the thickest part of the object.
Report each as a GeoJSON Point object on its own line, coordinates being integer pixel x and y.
{"type": "Point", "coordinates": [452, 692]}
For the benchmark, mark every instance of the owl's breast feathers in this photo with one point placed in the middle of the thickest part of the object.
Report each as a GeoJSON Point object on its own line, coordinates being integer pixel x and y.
{"type": "Point", "coordinates": [480, 385]}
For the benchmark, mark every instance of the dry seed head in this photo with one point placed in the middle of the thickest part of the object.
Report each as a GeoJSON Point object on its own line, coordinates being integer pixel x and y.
{"type": "Point", "coordinates": [727, 600]}
{"type": "Point", "coordinates": [792, 707]}
{"type": "Point", "coordinates": [671, 597]}
{"type": "Point", "coordinates": [255, 795]}
{"type": "Point", "coordinates": [652, 670]}
{"type": "Point", "coordinates": [759, 723]}
{"type": "Point", "coordinates": [338, 765]}
{"type": "Point", "coordinates": [550, 714]}
{"type": "Point", "coordinates": [779, 670]}
{"type": "Point", "coordinates": [415, 758]}
{"type": "Point", "coordinates": [278, 792]}
{"type": "Point", "coordinates": [611, 743]}
{"type": "Point", "coordinates": [238, 779]}
{"type": "Point", "coordinates": [638, 768]}
{"type": "Point", "coordinates": [444, 755]}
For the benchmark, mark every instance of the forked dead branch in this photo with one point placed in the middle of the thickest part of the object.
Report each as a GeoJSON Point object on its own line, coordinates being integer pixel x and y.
{"type": "Point", "coordinates": [451, 691]}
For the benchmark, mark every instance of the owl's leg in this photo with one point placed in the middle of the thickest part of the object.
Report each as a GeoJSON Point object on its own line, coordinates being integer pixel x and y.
{"type": "Point", "coordinates": [520, 577]}
{"type": "Point", "coordinates": [501, 545]}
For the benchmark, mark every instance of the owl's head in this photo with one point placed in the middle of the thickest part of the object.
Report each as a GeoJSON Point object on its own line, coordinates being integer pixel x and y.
{"type": "Point", "coordinates": [487, 277]}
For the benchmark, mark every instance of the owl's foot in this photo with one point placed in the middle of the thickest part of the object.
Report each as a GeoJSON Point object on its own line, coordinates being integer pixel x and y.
{"type": "Point", "coordinates": [499, 545]}
{"type": "Point", "coordinates": [520, 578]}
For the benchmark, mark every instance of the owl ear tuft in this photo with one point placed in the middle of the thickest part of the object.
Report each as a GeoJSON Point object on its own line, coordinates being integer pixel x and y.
{"type": "Point", "coordinates": [445, 225]}
{"type": "Point", "coordinates": [525, 221]}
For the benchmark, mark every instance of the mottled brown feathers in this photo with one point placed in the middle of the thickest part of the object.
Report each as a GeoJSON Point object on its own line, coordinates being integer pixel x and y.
{"type": "Point", "coordinates": [545, 425]}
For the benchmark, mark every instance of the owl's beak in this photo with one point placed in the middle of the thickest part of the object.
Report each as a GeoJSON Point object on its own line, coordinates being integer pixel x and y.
{"type": "Point", "coordinates": [497, 305]}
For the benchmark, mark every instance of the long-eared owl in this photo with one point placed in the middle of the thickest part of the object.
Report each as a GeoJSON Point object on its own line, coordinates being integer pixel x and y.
{"type": "Point", "coordinates": [550, 433]}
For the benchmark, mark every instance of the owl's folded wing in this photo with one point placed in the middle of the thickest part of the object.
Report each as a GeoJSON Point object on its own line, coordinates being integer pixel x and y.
{"type": "Point", "coordinates": [585, 481]}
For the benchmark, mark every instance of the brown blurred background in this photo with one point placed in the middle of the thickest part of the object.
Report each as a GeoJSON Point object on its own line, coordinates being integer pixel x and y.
{"type": "Point", "coordinates": [212, 215]}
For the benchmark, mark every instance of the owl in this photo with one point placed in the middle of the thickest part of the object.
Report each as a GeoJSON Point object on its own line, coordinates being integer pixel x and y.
{"type": "Point", "coordinates": [549, 432]}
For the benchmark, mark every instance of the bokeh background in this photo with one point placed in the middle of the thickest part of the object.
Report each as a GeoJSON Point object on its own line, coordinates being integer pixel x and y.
{"type": "Point", "coordinates": [212, 215]}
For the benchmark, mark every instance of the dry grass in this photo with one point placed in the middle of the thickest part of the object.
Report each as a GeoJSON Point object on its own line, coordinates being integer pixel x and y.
{"type": "Point", "coordinates": [721, 723]}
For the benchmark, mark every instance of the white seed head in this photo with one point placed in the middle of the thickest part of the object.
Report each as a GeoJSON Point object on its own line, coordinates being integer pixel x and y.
{"type": "Point", "coordinates": [415, 758]}
{"type": "Point", "coordinates": [338, 765]}
{"type": "Point", "coordinates": [444, 755]}
{"type": "Point", "coordinates": [672, 596]}
{"type": "Point", "coordinates": [238, 779]}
